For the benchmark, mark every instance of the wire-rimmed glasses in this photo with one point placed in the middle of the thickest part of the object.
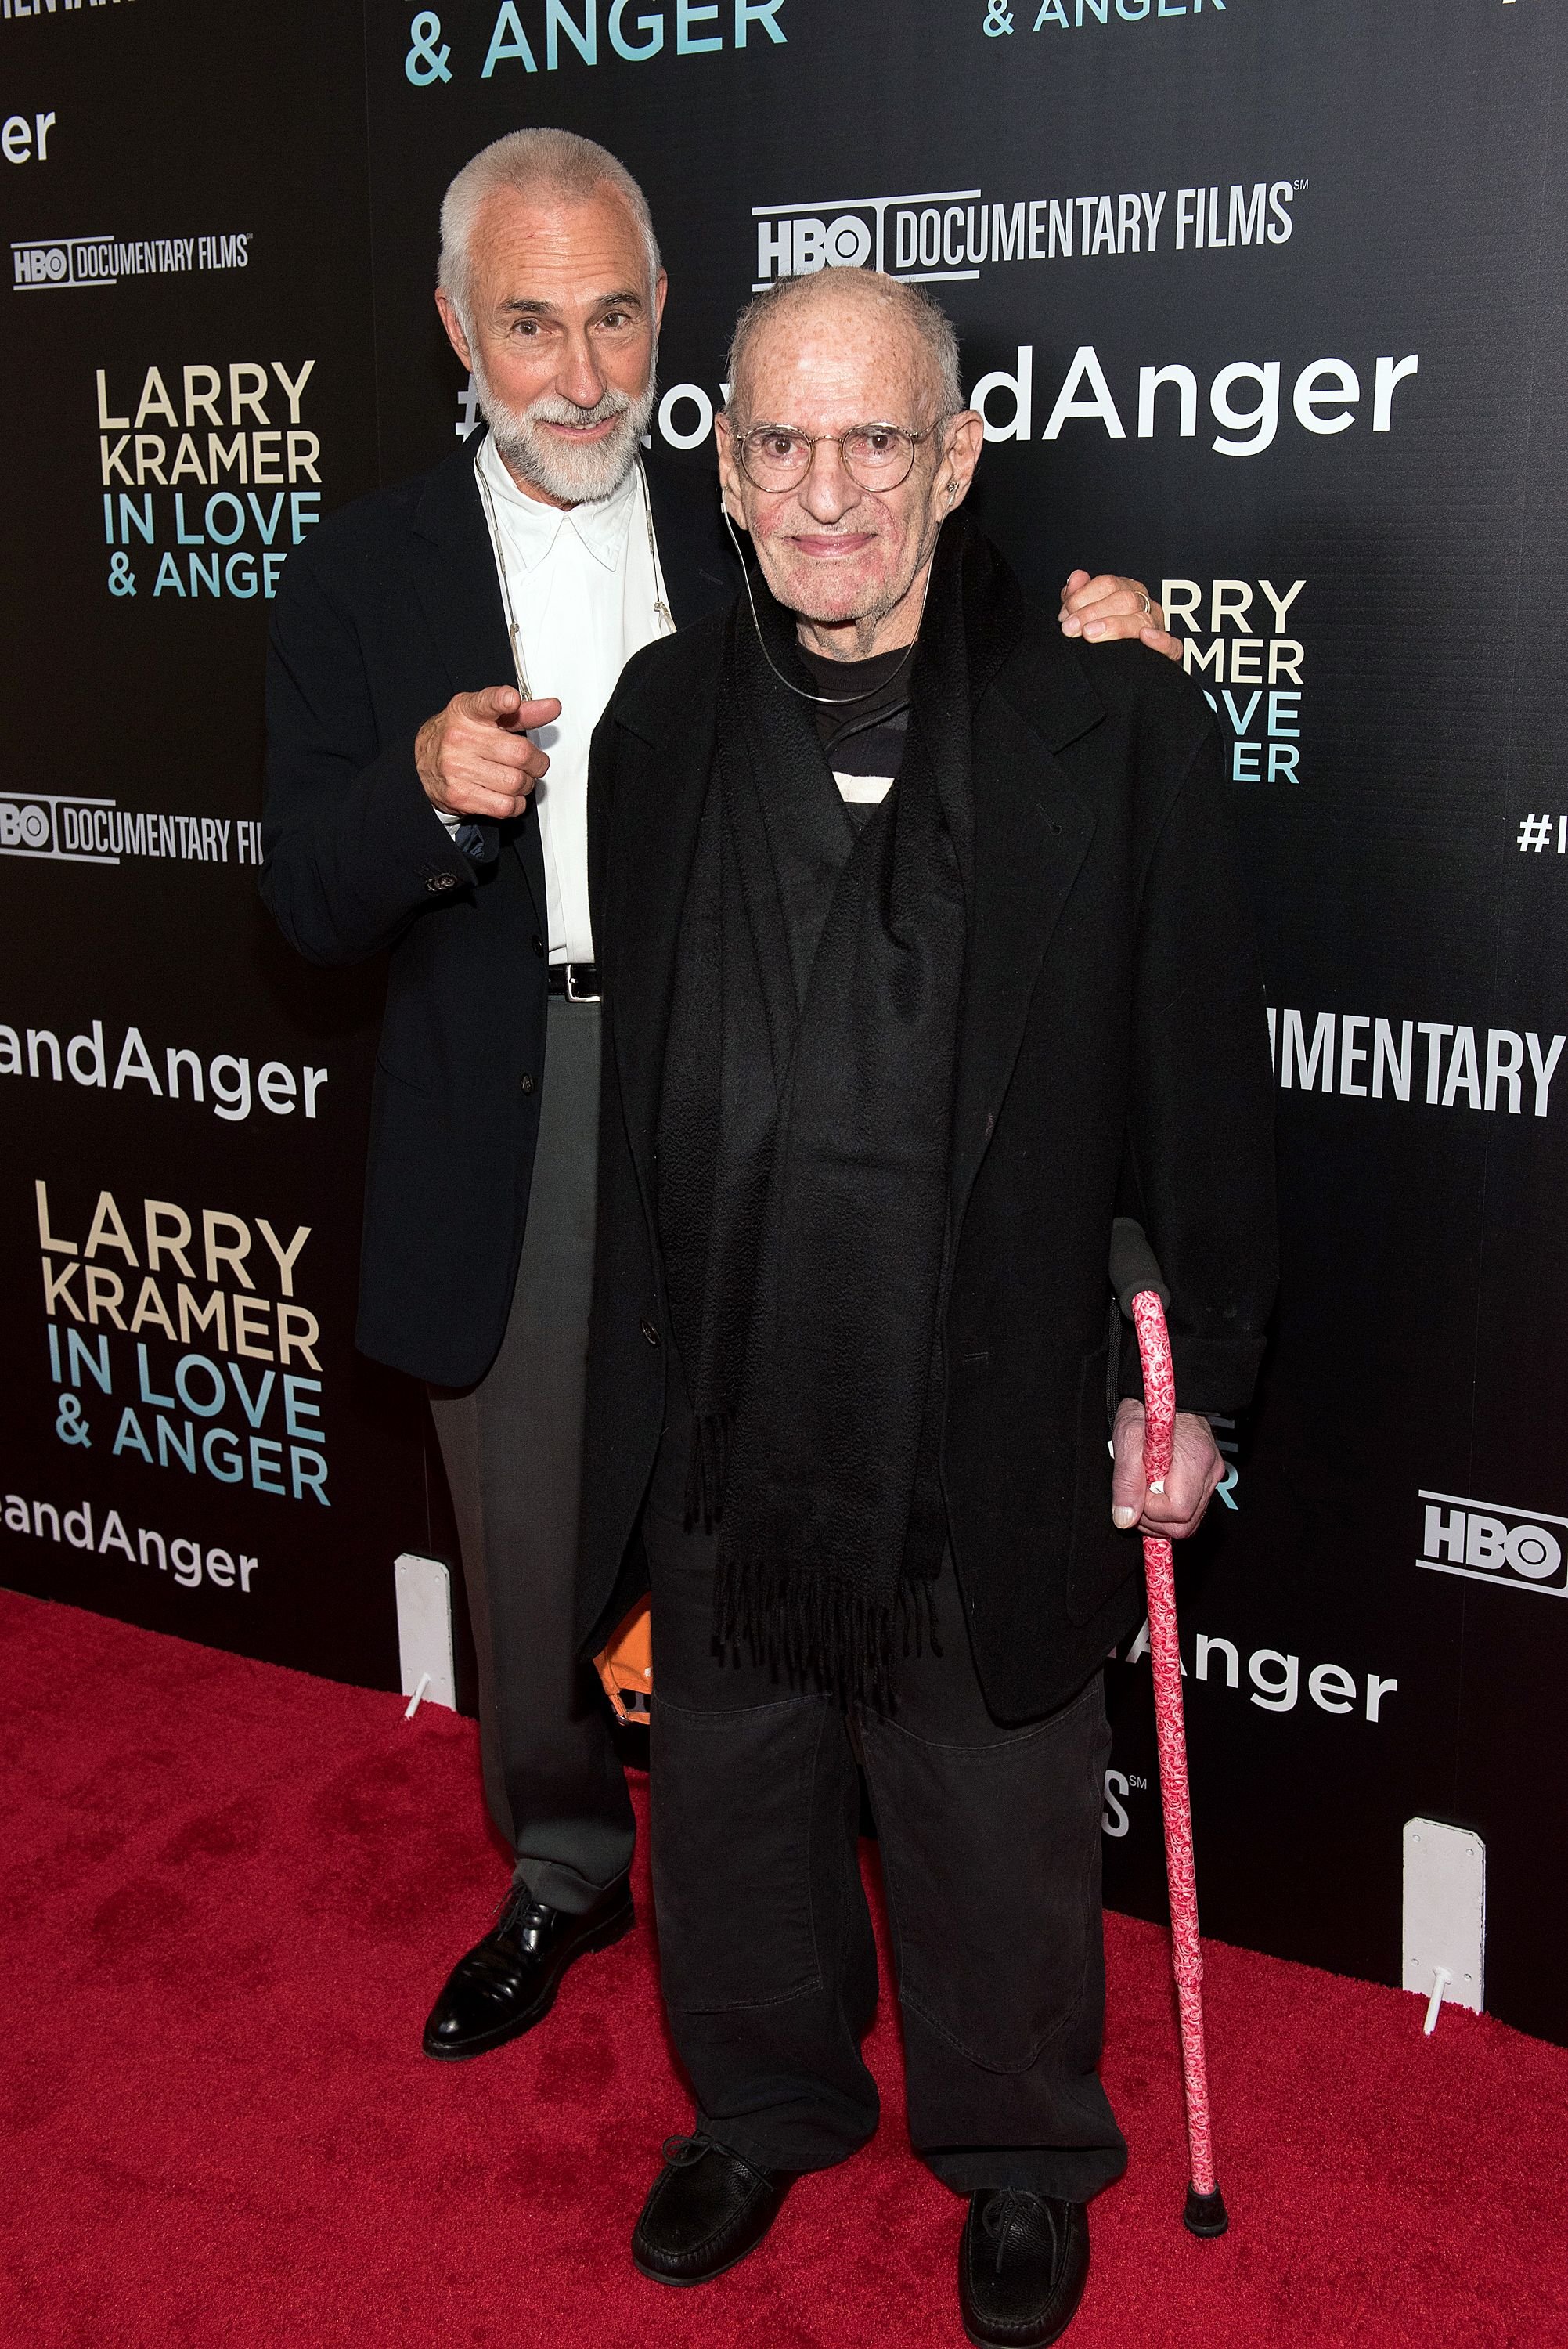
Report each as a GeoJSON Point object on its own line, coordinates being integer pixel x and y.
{"type": "Point", "coordinates": [778, 457]}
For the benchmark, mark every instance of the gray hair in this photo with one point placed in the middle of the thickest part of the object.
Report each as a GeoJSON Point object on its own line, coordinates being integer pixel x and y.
{"type": "Point", "coordinates": [918, 310]}
{"type": "Point", "coordinates": [532, 163]}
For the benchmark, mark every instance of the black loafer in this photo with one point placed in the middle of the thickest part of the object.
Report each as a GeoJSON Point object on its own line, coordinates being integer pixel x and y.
{"type": "Point", "coordinates": [709, 2209]}
{"type": "Point", "coordinates": [507, 1983]}
{"type": "Point", "coordinates": [1022, 2267]}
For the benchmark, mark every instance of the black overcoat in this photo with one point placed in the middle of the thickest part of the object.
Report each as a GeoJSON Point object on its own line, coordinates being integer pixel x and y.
{"type": "Point", "coordinates": [383, 614]}
{"type": "Point", "coordinates": [1113, 1057]}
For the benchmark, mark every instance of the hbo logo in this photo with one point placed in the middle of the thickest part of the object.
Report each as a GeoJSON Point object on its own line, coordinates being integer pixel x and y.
{"type": "Point", "coordinates": [795, 248]}
{"type": "Point", "coordinates": [42, 265]}
{"type": "Point", "coordinates": [23, 826]}
{"type": "Point", "coordinates": [1475, 1538]}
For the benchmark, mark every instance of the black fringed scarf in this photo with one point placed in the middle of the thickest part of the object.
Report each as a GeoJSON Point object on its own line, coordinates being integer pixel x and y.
{"type": "Point", "coordinates": [803, 1143]}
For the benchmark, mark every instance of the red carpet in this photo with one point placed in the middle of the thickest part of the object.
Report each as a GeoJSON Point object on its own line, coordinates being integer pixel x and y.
{"type": "Point", "coordinates": [233, 1890]}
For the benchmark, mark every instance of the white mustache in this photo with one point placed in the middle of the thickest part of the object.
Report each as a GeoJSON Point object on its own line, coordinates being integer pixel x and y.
{"type": "Point", "coordinates": [550, 409]}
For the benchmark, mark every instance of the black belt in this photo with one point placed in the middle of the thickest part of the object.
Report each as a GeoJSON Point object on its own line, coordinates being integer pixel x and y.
{"type": "Point", "coordinates": [577, 982]}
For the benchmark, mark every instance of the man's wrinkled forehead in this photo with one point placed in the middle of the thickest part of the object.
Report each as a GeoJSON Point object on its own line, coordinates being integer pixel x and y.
{"type": "Point", "coordinates": [834, 357]}
{"type": "Point", "coordinates": [538, 247]}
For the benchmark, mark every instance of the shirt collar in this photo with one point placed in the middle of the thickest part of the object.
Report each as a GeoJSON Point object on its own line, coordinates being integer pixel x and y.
{"type": "Point", "coordinates": [534, 528]}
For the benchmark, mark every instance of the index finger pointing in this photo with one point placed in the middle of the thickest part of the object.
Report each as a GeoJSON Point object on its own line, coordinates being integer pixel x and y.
{"type": "Point", "coordinates": [496, 705]}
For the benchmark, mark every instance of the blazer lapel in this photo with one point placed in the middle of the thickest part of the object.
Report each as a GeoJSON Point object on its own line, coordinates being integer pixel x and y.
{"type": "Point", "coordinates": [663, 764]}
{"type": "Point", "coordinates": [460, 595]}
{"type": "Point", "coordinates": [1031, 834]}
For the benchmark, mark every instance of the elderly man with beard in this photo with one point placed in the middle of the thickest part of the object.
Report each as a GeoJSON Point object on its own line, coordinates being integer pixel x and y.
{"type": "Point", "coordinates": [441, 653]}
{"type": "Point", "coordinates": [924, 956]}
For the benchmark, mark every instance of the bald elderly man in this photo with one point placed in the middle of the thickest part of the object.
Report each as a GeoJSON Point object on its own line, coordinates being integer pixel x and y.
{"type": "Point", "coordinates": [441, 653]}
{"type": "Point", "coordinates": [923, 957]}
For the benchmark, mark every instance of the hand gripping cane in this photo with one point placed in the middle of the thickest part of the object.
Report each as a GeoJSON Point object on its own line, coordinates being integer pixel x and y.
{"type": "Point", "coordinates": [1142, 1296]}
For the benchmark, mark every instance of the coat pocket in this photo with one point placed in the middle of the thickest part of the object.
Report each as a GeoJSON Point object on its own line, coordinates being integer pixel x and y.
{"type": "Point", "coordinates": [401, 1077]}
{"type": "Point", "coordinates": [1100, 1559]}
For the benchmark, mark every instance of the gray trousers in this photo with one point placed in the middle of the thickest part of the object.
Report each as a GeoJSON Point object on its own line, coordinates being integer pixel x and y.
{"type": "Point", "coordinates": [512, 1448]}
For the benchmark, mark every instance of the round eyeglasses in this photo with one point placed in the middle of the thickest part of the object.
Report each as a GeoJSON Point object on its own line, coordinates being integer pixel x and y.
{"type": "Point", "coordinates": [775, 457]}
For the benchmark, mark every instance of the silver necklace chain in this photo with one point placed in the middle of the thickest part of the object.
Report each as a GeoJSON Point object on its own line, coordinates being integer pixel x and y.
{"type": "Point", "coordinates": [661, 609]}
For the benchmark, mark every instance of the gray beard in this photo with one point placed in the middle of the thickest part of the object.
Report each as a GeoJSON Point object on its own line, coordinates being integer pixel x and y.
{"type": "Point", "coordinates": [575, 476]}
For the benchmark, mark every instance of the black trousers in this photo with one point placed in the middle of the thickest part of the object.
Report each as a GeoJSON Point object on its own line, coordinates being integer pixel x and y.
{"type": "Point", "coordinates": [512, 1448]}
{"type": "Point", "coordinates": [990, 1850]}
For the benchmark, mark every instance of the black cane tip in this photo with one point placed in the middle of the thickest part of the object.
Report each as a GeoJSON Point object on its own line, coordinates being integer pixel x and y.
{"type": "Point", "coordinates": [1205, 2213]}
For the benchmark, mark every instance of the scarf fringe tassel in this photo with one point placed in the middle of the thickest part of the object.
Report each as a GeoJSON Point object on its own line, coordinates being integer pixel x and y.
{"type": "Point", "coordinates": [802, 1625]}
{"type": "Point", "coordinates": [809, 1629]}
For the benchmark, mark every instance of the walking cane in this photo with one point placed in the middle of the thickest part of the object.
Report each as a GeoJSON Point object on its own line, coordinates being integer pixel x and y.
{"type": "Point", "coordinates": [1142, 1296]}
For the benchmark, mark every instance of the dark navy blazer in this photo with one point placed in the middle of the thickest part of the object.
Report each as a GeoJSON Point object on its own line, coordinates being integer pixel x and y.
{"type": "Point", "coordinates": [384, 613]}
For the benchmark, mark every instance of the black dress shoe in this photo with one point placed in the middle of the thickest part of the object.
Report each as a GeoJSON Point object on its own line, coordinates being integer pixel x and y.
{"type": "Point", "coordinates": [709, 2209]}
{"type": "Point", "coordinates": [509, 1982]}
{"type": "Point", "coordinates": [1022, 2267]}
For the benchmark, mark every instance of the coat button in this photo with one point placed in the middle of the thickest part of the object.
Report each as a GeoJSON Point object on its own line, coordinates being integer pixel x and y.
{"type": "Point", "coordinates": [538, 945]}
{"type": "Point", "coordinates": [649, 1333]}
{"type": "Point", "coordinates": [525, 1085]}
{"type": "Point", "coordinates": [440, 881]}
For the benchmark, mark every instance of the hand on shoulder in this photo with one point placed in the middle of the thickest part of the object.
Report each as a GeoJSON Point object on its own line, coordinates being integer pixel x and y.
{"type": "Point", "coordinates": [1106, 607]}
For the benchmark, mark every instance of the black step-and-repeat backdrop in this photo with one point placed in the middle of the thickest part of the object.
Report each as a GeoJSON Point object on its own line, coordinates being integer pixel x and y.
{"type": "Point", "coordinates": [1264, 302]}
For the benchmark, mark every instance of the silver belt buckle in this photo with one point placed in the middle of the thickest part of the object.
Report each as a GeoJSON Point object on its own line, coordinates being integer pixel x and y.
{"type": "Point", "coordinates": [571, 994]}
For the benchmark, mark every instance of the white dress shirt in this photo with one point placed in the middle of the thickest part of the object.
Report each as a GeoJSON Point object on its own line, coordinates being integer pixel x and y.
{"type": "Point", "coordinates": [585, 593]}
